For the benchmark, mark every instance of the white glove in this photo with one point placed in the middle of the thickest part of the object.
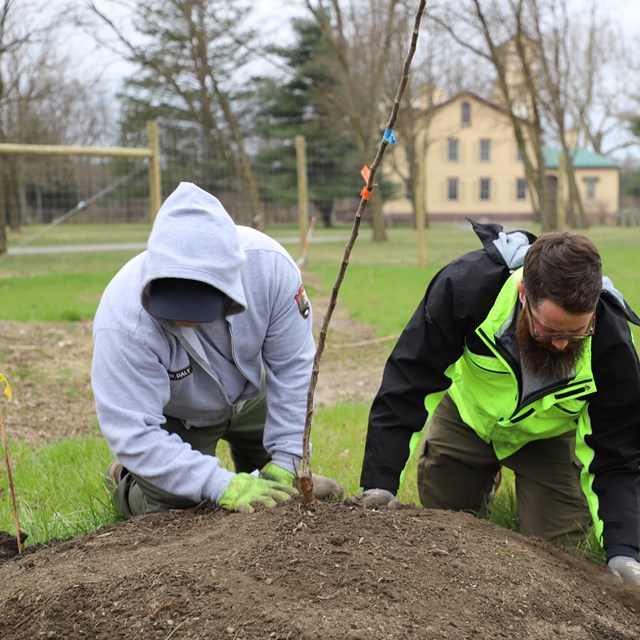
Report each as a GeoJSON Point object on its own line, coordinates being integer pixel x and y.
{"type": "Point", "coordinates": [624, 570]}
{"type": "Point", "coordinates": [375, 498]}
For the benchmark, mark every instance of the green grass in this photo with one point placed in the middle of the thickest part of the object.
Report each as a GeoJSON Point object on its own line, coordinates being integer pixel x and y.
{"type": "Point", "coordinates": [385, 298]}
{"type": "Point", "coordinates": [60, 485]}
{"type": "Point", "coordinates": [60, 489]}
{"type": "Point", "coordinates": [383, 285]}
{"type": "Point", "coordinates": [39, 235]}
{"type": "Point", "coordinates": [47, 297]}
{"type": "Point", "coordinates": [53, 287]}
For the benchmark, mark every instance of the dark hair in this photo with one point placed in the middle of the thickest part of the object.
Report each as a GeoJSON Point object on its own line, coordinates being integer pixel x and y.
{"type": "Point", "coordinates": [564, 268]}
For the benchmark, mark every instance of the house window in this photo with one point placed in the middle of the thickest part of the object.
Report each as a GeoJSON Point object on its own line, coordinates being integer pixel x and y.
{"type": "Point", "coordinates": [485, 188]}
{"type": "Point", "coordinates": [485, 150]}
{"type": "Point", "coordinates": [521, 189]}
{"type": "Point", "coordinates": [452, 152]}
{"type": "Point", "coordinates": [518, 154]}
{"type": "Point", "coordinates": [590, 188]}
{"type": "Point", "coordinates": [465, 114]}
{"type": "Point", "coordinates": [452, 188]}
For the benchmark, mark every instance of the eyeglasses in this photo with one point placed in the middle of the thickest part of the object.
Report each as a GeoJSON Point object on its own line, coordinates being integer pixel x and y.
{"type": "Point", "coordinates": [591, 329]}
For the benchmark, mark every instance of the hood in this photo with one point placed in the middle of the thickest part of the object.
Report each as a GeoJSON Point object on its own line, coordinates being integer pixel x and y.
{"type": "Point", "coordinates": [193, 237]}
{"type": "Point", "coordinates": [504, 248]}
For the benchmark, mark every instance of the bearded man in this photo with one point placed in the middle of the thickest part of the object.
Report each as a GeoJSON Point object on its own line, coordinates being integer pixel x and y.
{"type": "Point", "coordinates": [521, 355]}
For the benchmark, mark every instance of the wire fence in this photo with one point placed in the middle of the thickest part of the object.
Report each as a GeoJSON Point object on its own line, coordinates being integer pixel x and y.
{"type": "Point", "coordinates": [75, 189]}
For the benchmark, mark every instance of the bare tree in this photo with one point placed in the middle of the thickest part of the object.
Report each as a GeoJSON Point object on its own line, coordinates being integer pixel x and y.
{"type": "Point", "coordinates": [40, 100]}
{"type": "Point", "coordinates": [602, 83]}
{"type": "Point", "coordinates": [441, 69]}
{"type": "Point", "coordinates": [496, 32]}
{"type": "Point", "coordinates": [360, 35]}
{"type": "Point", "coordinates": [188, 53]}
{"type": "Point", "coordinates": [555, 66]}
{"type": "Point", "coordinates": [566, 75]}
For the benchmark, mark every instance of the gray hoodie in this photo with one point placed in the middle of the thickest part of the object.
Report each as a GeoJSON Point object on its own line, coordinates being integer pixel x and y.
{"type": "Point", "coordinates": [141, 372]}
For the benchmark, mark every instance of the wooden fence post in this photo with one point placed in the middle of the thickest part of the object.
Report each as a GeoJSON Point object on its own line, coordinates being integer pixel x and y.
{"type": "Point", "coordinates": [155, 181]}
{"type": "Point", "coordinates": [303, 190]}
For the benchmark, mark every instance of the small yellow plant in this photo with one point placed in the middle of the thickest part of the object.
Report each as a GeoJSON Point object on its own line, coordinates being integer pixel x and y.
{"type": "Point", "coordinates": [4, 384]}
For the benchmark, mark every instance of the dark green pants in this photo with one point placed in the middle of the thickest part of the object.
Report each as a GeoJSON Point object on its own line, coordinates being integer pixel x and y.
{"type": "Point", "coordinates": [457, 468]}
{"type": "Point", "coordinates": [136, 496]}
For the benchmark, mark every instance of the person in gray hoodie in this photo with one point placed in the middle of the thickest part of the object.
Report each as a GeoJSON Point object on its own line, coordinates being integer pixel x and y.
{"type": "Point", "coordinates": [204, 336]}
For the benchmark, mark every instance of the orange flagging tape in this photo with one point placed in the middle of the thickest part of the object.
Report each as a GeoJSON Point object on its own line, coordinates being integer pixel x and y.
{"type": "Point", "coordinates": [365, 193]}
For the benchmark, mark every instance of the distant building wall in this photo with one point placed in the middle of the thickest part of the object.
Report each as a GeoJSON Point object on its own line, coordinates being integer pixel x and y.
{"type": "Point", "coordinates": [473, 168]}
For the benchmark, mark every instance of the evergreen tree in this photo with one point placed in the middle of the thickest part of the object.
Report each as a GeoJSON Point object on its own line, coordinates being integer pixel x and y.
{"type": "Point", "coordinates": [299, 107]}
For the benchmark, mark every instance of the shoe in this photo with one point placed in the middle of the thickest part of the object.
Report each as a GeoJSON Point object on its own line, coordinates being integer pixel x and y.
{"type": "Point", "coordinates": [113, 474]}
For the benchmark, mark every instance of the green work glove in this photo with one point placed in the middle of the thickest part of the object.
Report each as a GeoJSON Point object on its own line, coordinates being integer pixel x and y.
{"type": "Point", "coordinates": [271, 471]}
{"type": "Point", "coordinates": [246, 490]}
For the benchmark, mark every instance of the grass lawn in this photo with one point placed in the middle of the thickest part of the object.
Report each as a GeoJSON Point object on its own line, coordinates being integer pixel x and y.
{"type": "Point", "coordinates": [382, 287]}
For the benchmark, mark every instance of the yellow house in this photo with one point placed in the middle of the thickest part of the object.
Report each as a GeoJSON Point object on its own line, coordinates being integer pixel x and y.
{"type": "Point", "coordinates": [473, 168]}
{"type": "Point", "coordinates": [598, 180]}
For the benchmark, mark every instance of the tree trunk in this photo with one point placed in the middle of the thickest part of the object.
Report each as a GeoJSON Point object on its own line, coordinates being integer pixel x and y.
{"type": "Point", "coordinates": [3, 225]}
{"type": "Point", "coordinates": [12, 190]}
{"type": "Point", "coordinates": [580, 220]}
{"type": "Point", "coordinates": [419, 206]}
{"type": "Point", "coordinates": [378, 227]}
{"type": "Point", "coordinates": [325, 209]}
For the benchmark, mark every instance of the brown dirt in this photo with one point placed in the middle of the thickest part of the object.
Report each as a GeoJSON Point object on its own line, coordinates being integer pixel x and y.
{"type": "Point", "coordinates": [50, 365]}
{"type": "Point", "coordinates": [331, 571]}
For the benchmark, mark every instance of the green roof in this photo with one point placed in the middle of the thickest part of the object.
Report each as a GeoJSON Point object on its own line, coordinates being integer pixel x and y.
{"type": "Point", "coordinates": [582, 159]}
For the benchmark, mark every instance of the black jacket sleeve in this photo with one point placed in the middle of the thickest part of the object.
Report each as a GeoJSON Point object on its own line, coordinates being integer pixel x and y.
{"type": "Point", "coordinates": [614, 412]}
{"type": "Point", "coordinates": [456, 301]}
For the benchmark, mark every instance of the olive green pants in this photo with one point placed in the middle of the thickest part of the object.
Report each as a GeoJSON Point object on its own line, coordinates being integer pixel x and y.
{"type": "Point", "coordinates": [136, 496]}
{"type": "Point", "coordinates": [457, 469]}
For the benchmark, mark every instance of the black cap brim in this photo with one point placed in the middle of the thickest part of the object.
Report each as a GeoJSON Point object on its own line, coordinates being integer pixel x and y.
{"type": "Point", "coordinates": [185, 300]}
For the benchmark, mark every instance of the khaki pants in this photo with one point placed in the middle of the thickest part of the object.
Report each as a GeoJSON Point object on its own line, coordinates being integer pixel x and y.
{"type": "Point", "coordinates": [136, 496]}
{"type": "Point", "coordinates": [457, 468]}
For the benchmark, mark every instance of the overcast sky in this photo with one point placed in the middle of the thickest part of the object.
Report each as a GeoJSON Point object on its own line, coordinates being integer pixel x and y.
{"type": "Point", "coordinates": [271, 17]}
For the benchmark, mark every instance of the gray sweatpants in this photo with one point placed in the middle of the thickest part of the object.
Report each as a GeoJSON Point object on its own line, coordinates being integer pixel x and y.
{"type": "Point", "coordinates": [457, 468]}
{"type": "Point", "coordinates": [136, 496]}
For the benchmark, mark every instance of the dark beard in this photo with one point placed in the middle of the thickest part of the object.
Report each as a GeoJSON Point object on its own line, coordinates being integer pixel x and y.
{"type": "Point", "coordinates": [542, 359]}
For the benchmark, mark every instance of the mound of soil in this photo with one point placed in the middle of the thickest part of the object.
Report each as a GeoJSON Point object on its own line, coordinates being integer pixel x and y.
{"type": "Point", "coordinates": [331, 571]}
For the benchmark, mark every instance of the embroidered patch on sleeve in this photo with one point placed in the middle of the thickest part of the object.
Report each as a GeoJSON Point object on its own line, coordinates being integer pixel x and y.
{"type": "Point", "coordinates": [304, 306]}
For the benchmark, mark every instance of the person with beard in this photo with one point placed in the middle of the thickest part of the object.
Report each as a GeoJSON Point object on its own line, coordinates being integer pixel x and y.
{"type": "Point", "coordinates": [521, 355]}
